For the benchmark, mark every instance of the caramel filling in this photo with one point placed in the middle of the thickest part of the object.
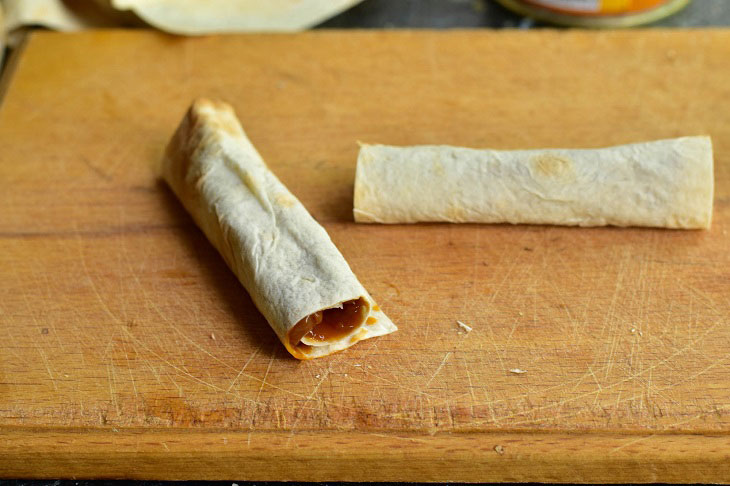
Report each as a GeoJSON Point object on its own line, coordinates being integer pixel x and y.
{"type": "Point", "coordinates": [330, 324]}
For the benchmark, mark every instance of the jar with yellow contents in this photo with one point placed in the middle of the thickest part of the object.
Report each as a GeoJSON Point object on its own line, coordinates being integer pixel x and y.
{"type": "Point", "coordinates": [596, 13]}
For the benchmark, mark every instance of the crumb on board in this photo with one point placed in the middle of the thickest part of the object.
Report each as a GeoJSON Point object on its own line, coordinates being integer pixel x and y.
{"type": "Point", "coordinates": [316, 376]}
{"type": "Point", "coordinates": [499, 449]}
{"type": "Point", "coordinates": [633, 330]}
{"type": "Point", "coordinates": [464, 326]}
{"type": "Point", "coordinates": [517, 371]}
{"type": "Point", "coordinates": [212, 336]}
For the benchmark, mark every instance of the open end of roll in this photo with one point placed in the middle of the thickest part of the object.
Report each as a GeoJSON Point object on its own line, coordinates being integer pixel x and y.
{"type": "Point", "coordinates": [329, 325]}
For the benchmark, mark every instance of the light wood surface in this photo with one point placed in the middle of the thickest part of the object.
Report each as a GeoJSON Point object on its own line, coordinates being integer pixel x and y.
{"type": "Point", "coordinates": [128, 349]}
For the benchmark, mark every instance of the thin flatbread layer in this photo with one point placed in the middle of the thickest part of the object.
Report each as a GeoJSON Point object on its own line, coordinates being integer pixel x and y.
{"type": "Point", "coordinates": [191, 17]}
{"type": "Point", "coordinates": [664, 183]}
{"type": "Point", "coordinates": [282, 256]}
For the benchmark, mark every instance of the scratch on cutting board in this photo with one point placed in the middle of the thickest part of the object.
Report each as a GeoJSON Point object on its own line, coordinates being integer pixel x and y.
{"type": "Point", "coordinates": [184, 336]}
{"type": "Point", "coordinates": [31, 308]}
{"type": "Point", "coordinates": [180, 370]}
{"type": "Point", "coordinates": [515, 325]}
{"type": "Point", "coordinates": [393, 436]}
{"type": "Point", "coordinates": [48, 367]}
{"type": "Point", "coordinates": [443, 362]}
{"type": "Point", "coordinates": [504, 280]}
{"type": "Point", "coordinates": [610, 313]}
{"type": "Point", "coordinates": [598, 384]}
{"type": "Point", "coordinates": [595, 378]}
{"type": "Point", "coordinates": [14, 341]}
{"type": "Point", "coordinates": [109, 344]}
{"type": "Point", "coordinates": [299, 413]}
{"type": "Point", "coordinates": [630, 443]}
{"type": "Point", "coordinates": [708, 300]}
{"type": "Point", "coordinates": [471, 385]}
{"type": "Point", "coordinates": [112, 382]}
{"type": "Point", "coordinates": [51, 321]}
{"type": "Point", "coordinates": [399, 385]}
{"type": "Point", "coordinates": [253, 355]}
{"type": "Point", "coordinates": [490, 403]}
{"type": "Point", "coordinates": [268, 368]}
{"type": "Point", "coordinates": [493, 341]}
{"type": "Point", "coordinates": [717, 410]}
{"type": "Point", "coordinates": [96, 170]}
{"type": "Point", "coordinates": [131, 377]}
{"type": "Point", "coordinates": [82, 258]}
{"type": "Point", "coordinates": [373, 348]}
{"type": "Point", "coordinates": [154, 370]}
{"type": "Point", "coordinates": [475, 264]}
{"type": "Point", "coordinates": [619, 382]}
{"type": "Point", "coordinates": [311, 396]}
{"type": "Point", "coordinates": [164, 317]}
{"type": "Point", "coordinates": [577, 337]}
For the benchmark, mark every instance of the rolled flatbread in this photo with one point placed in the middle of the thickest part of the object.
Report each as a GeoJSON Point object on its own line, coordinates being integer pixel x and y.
{"type": "Point", "coordinates": [286, 261]}
{"type": "Point", "coordinates": [665, 183]}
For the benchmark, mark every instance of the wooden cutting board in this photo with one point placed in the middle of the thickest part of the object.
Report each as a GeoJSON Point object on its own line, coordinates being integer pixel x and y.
{"type": "Point", "coordinates": [128, 349]}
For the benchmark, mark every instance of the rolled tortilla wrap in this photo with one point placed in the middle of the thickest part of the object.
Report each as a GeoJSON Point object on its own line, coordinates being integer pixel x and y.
{"type": "Point", "coordinates": [286, 261]}
{"type": "Point", "coordinates": [665, 183]}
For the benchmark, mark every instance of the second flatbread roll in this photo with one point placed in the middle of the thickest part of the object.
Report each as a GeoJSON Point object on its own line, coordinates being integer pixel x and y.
{"type": "Point", "coordinates": [665, 183]}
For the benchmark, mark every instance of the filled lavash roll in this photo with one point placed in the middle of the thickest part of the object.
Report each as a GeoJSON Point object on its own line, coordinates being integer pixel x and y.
{"type": "Point", "coordinates": [664, 183]}
{"type": "Point", "coordinates": [286, 261]}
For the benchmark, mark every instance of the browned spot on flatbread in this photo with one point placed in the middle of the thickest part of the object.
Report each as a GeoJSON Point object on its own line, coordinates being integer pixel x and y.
{"type": "Point", "coordinates": [553, 167]}
{"type": "Point", "coordinates": [230, 127]}
{"type": "Point", "coordinates": [438, 169]}
{"type": "Point", "coordinates": [359, 336]}
{"type": "Point", "coordinates": [455, 212]}
{"type": "Point", "coordinates": [284, 200]}
{"type": "Point", "coordinates": [226, 123]}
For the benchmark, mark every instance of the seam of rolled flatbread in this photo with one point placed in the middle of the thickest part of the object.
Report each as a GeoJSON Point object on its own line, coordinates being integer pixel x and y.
{"type": "Point", "coordinates": [664, 183]}
{"type": "Point", "coordinates": [295, 275]}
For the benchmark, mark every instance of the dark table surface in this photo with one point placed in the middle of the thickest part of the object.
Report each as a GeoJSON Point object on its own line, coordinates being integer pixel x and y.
{"type": "Point", "coordinates": [427, 14]}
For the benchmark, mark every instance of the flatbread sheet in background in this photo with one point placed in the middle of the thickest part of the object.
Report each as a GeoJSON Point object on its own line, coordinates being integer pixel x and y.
{"type": "Point", "coordinates": [65, 16]}
{"type": "Point", "coordinates": [3, 38]}
{"type": "Point", "coordinates": [198, 17]}
{"type": "Point", "coordinates": [664, 183]}
{"type": "Point", "coordinates": [187, 17]}
{"type": "Point", "coordinates": [295, 275]}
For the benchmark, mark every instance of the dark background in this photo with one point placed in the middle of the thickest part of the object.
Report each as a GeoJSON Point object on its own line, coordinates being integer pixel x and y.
{"type": "Point", "coordinates": [446, 14]}
{"type": "Point", "coordinates": [431, 14]}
